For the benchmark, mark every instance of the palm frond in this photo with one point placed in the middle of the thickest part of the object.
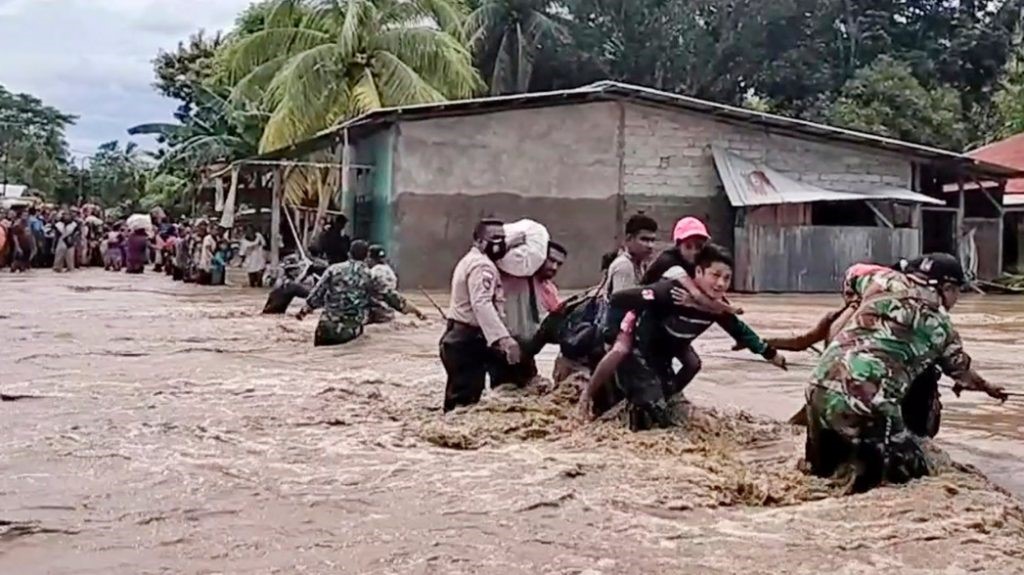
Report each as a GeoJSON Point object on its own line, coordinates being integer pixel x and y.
{"type": "Point", "coordinates": [357, 14]}
{"type": "Point", "coordinates": [541, 26]}
{"type": "Point", "coordinates": [399, 84]}
{"type": "Point", "coordinates": [253, 87]}
{"type": "Point", "coordinates": [157, 129]}
{"type": "Point", "coordinates": [266, 45]}
{"type": "Point", "coordinates": [436, 56]}
{"type": "Point", "coordinates": [305, 77]}
{"type": "Point", "coordinates": [325, 16]}
{"type": "Point", "coordinates": [202, 150]}
{"type": "Point", "coordinates": [485, 22]}
{"type": "Point", "coordinates": [524, 59]}
{"type": "Point", "coordinates": [289, 123]}
{"type": "Point", "coordinates": [283, 13]}
{"type": "Point", "coordinates": [450, 15]}
{"type": "Point", "coordinates": [365, 96]}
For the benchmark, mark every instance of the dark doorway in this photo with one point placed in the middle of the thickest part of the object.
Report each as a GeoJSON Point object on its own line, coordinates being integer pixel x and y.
{"type": "Point", "coordinates": [938, 231]}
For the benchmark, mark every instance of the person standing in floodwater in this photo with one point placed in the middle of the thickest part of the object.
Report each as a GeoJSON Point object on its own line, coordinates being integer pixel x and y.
{"type": "Point", "coordinates": [476, 337]}
{"type": "Point", "coordinates": [136, 252]}
{"type": "Point", "coordinates": [204, 247]}
{"type": "Point", "coordinates": [346, 292]}
{"type": "Point", "coordinates": [254, 260]}
{"type": "Point", "coordinates": [333, 244]}
{"type": "Point", "coordinates": [66, 239]}
{"type": "Point", "coordinates": [628, 267]}
{"type": "Point", "coordinates": [381, 270]}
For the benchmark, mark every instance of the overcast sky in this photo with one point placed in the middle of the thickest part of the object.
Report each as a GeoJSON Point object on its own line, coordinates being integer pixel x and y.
{"type": "Point", "coordinates": [92, 58]}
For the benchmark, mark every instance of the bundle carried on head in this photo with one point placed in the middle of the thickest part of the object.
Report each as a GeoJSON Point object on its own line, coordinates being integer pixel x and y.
{"type": "Point", "coordinates": [140, 222]}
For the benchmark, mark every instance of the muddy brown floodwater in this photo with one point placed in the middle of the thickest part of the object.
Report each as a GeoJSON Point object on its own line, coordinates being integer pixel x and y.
{"type": "Point", "coordinates": [164, 428]}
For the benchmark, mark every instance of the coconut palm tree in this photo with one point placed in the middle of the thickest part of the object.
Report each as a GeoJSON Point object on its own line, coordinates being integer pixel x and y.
{"type": "Point", "coordinates": [507, 35]}
{"type": "Point", "coordinates": [316, 62]}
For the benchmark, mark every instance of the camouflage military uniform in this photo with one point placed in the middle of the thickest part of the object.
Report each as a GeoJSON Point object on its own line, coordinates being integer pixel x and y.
{"type": "Point", "coordinates": [379, 311]}
{"type": "Point", "coordinates": [854, 401]}
{"type": "Point", "coordinates": [346, 292]}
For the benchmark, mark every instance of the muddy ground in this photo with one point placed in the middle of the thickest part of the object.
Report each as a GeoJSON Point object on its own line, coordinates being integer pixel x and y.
{"type": "Point", "coordinates": [172, 429]}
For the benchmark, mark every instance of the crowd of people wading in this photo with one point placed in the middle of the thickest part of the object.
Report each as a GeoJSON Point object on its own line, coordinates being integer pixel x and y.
{"type": "Point", "coordinates": [68, 238]}
{"type": "Point", "coordinates": [872, 402]}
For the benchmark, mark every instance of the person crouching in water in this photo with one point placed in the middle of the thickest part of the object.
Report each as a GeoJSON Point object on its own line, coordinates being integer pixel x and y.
{"type": "Point", "coordinates": [345, 293]}
{"type": "Point", "coordinates": [136, 251]}
{"type": "Point", "coordinates": [921, 407]}
{"type": "Point", "coordinates": [666, 329]}
{"type": "Point", "coordinates": [381, 271]}
{"type": "Point", "coordinates": [855, 424]}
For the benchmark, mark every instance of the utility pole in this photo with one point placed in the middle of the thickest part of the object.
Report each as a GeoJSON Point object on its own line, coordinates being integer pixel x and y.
{"type": "Point", "coordinates": [3, 148]}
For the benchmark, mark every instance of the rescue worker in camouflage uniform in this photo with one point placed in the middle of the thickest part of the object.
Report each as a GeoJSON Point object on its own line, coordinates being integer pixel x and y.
{"type": "Point", "coordinates": [346, 292]}
{"type": "Point", "coordinates": [855, 425]}
{"type": "Point", "coordinates": [922, 407]}
{"type": "Point", "coordinates": [381, 270]}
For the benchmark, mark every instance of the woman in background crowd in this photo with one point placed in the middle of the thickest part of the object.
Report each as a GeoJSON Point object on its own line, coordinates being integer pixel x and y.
{"type": "Point", "coordinates": [254, 260]}
{"type": "Point", "coordinates": [137, 251]}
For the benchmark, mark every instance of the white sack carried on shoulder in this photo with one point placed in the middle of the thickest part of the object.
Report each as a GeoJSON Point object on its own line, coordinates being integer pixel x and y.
{"type": "Point", "coordinates": [524, 260]}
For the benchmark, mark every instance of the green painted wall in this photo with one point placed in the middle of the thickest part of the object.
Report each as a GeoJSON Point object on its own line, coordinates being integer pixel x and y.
{"type": "Point", "coordinates": [382, 152]}
{"type": "Point", "coordinates": [374, 194]}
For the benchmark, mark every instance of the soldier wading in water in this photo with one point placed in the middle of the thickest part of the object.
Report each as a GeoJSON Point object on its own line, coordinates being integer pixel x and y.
{"type": "Point", "coordinates": [855, 424]}
{"type": "Point", "coordinates": [346, 293]}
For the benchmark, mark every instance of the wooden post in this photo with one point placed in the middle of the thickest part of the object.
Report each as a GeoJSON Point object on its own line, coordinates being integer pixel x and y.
{"type": "Point", "coordinates": [275, 222]}
{"type": "Point", "coordinates": [960, 209]}
{"type": "Point", "coordinates": [346, 184]}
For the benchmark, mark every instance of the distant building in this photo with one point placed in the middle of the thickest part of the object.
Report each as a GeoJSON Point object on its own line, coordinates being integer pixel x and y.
{"type": "Point", "coordinates": [993, 209]}
{"type": "Point", "coordinates": [797, 201]}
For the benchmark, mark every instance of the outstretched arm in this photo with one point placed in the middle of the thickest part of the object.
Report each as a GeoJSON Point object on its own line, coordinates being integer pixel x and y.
{"type": "Point", "coordinates": [955, 363]}
{"type": "Point", "coordinates": [745, 336]}
{"type": "Point", "coordinates": [381, 290]}
{"type": "Point", "coordinates": [805, 340]}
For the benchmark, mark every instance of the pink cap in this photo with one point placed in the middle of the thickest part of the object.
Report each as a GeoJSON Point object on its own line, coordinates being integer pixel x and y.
{"type": "Point", "coordinates": [689, 227]}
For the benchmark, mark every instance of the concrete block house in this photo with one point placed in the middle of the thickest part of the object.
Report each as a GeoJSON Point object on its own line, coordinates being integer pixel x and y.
{"type": "Point", "coordinates": [797, 201]}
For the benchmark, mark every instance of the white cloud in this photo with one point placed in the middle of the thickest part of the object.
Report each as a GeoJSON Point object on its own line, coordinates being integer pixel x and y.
{"type": "Point", "coordinates": [92, 58]}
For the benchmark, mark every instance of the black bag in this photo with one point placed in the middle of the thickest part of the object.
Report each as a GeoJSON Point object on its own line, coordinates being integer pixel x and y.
{"type": "Point", "coordinates": [580, 338]}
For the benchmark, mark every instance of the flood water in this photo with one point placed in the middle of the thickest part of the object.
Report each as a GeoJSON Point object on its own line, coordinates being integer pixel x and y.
{"type": "Point", "coordinates": [166, 428]}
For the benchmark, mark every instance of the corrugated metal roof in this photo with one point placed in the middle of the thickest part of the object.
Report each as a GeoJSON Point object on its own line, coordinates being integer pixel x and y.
{"type": "Point", "coordinates": [751, 184]}
{"type": "Point", "coordinates": [617, 91]}
{"type": "Point", "coordinates": [1009, 153]}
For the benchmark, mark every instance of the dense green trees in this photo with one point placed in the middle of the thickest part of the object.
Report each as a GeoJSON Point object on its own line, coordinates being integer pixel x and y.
{"type": "Point", "coordinates": [33, 150]}
{"type": "Point", "coordinates": [940, 72]}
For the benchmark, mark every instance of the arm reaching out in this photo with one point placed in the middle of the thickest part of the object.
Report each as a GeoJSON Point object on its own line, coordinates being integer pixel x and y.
{"type": "Point", "coordinates": [805, 340]}
{"type": "Point", "coordinates": [745, 336]}
{"type": "Point", "coordinates": [955, 363]}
